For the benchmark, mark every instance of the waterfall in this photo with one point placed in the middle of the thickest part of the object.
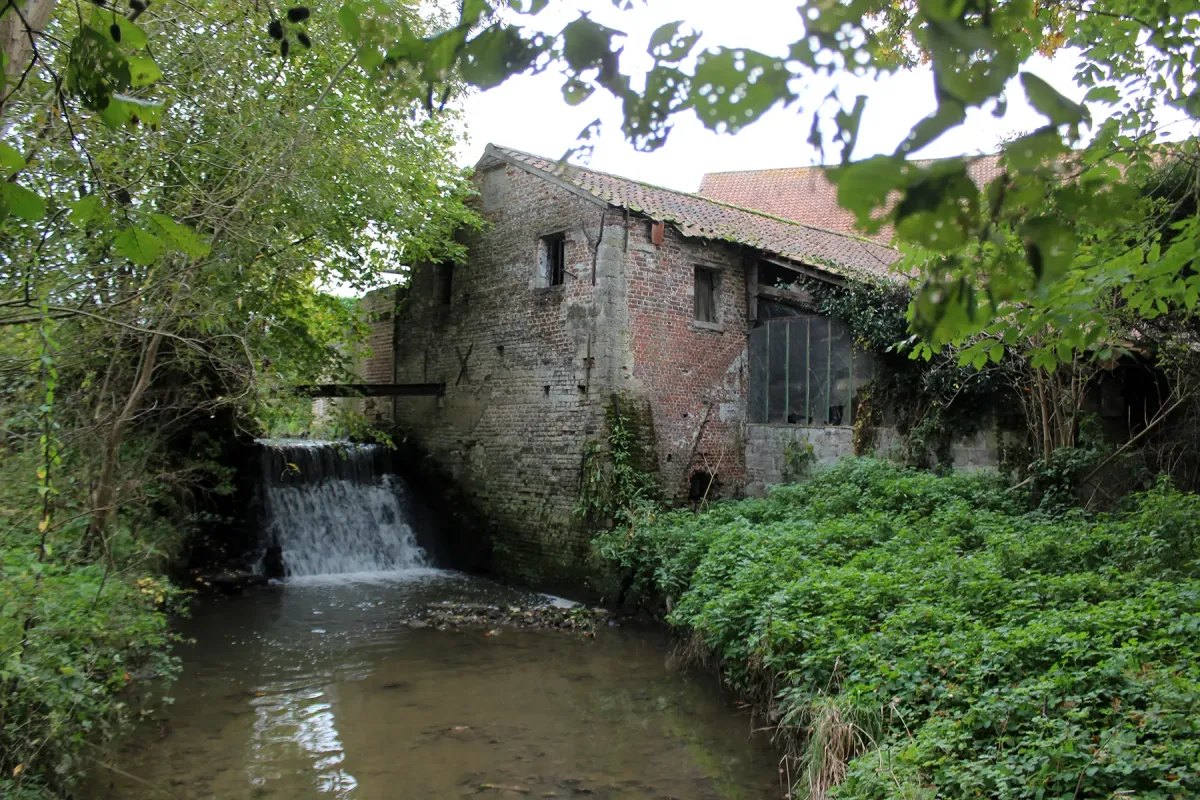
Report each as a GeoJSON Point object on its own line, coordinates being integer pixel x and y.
{"type": "Point", "coordinates": [332, 509]}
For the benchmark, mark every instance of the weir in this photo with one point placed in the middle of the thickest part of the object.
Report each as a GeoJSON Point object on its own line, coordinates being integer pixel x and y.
{"type": "Point", "coordinates": [332, 508]}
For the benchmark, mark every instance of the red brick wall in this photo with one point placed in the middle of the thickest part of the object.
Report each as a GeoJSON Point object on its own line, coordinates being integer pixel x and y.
{"type": "Point", "coordinates": [694, 376]}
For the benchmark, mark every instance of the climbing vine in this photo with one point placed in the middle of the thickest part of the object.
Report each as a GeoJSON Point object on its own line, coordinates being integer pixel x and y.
{"type": "Point", "coordinates": [931, 403]}
{"type": "Point", "coordinates": [616, 471]}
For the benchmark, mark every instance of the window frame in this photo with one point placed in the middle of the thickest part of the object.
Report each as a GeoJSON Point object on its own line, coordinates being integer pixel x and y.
{"type": "Point", "coordinates": [552, 247]}
{"type": "Point", "coordinates": [715, 287]}
{"type": "Point", "coordinates": [858, 365]}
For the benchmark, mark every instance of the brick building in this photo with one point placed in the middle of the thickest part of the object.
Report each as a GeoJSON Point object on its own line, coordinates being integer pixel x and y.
{"type": "Point", "coordinates": [805, 194]}
{"type": "Point", "coordinates": [586, 286]}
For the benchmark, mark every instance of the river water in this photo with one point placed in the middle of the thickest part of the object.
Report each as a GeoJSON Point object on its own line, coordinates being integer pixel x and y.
{"type": "Point", "coordinates": [321, 686]}
{"type": "Point", "coordinates": [318, 687]}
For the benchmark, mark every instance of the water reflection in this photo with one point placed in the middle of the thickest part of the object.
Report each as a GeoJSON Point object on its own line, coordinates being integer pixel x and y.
{"type": "Point", "coordinates": [287, 717]}
{"type": "Point", "coordinates": [321, 689]}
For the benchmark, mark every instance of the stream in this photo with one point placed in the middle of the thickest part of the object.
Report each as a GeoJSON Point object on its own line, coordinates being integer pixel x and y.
{"type": "Point", "coordinates": [328, 683]}
{"type": "Point", "coordinates": [319, 688]}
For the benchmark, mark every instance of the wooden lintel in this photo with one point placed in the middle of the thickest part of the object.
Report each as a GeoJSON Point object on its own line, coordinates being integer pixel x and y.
{"type": "Point", "coordinates": [793, 295]}
{"type": "Point", "coordinates": [373, 390]}
{"type": "Point", "coordinates": [812, 272]}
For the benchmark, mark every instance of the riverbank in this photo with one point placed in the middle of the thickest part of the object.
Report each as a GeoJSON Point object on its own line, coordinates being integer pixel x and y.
{"type": "Point", "coordinates": [920, 636]}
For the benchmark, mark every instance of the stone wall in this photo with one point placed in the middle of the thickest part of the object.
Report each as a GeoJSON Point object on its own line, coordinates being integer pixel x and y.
{"type": "Point", "coordinates": [527, 368]}
{"type": "Point", "coordinates": [376, 363]}
{"type": "Point", "coordinates": [766, 445]}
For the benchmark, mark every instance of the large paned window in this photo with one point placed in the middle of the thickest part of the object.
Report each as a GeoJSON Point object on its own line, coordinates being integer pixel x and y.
{"type": "Point", "coordinates": [805, 370]}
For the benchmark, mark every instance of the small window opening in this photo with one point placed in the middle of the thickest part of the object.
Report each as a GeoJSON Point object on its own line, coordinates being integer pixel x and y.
{"type": "Point", "coordinates": [552, 255]}
{"type": "Point", "coordinates": [706, 295]}
{"type": "Point", "coordinates": [445, 283]}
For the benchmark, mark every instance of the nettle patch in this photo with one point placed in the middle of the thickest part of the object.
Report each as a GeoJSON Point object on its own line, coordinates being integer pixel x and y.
{"type": "Point", "coordinates": [909, 635]}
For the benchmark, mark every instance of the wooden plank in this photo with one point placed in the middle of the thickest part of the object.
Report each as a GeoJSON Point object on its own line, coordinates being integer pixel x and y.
{"type": "Point", "coordinates": [812, 272]}
{"type": "Point", "coordinates": [373, 390]}
{"type": "Point", "coordinates": [802, 296]}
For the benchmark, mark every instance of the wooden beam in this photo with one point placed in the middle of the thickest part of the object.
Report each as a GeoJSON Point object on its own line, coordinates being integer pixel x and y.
{"type": "Point", "coordinates": [801, 296]}
{"type": "Point", "coordinates": [812, 272]}
{"type": "Point", "coordinates": [373, 390]}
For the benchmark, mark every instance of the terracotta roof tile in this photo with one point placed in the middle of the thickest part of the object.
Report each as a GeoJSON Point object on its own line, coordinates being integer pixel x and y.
{"type": "Point", "coordinates": [805, 195]}
{"type": "Point", "coordinates": [703, 217]}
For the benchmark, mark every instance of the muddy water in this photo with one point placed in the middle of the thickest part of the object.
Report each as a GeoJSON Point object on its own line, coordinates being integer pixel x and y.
{"type": "Point", "coordinates": [320, 688]}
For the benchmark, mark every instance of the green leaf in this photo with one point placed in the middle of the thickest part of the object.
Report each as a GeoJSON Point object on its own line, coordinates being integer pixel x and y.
{"type": "Point", "coordinates": [1103, 94]}
{"type": "Point", "coordinates": [1191, 104]}
{"type": "Point", "coordinates": [124, 109]}
{"type": "Point", "coordinates": [668, 45]}
{"type": "Point", "coordinates": [1046, 99]}
{"type": "Point", "coordinates": [181, 237]}
{"type": "Point", "coordinates": [996, 352]}
{"type": "Point", "coordinates": [499, 52]}
{"type": "Point", "coordinates": [139, 246]}
{"type": "Point", "coordinates": [132, 36]}
{"type": "Point", "coordinates": [735, 87]}
{"type": "Point", "coordinates": [11, 160]}
{"type": "Point", "coordinates": [84, 211]}
{"type": "Point", "coordinates": [864, 186]}
{"type": "Point", "coordinates": [143, 71]}
{"type": "Point", "coordinates": [1049, 247]}
{"type": "Point", "coordinates": [348, 21]}
{"type": "Point", "coordinates": [587, 43]}
{"type": "Point", "coordinates": [576, 91]}
{"type": "Point", "coordinates": [22, 202]}
{"type": "Point", "coordinates": [96, 68]}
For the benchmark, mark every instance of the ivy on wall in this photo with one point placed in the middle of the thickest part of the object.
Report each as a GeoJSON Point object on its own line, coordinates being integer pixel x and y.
{"type": "Point", "coordinates": [617, 472]}
{"type": "Point", "coordinates": [931, 404]}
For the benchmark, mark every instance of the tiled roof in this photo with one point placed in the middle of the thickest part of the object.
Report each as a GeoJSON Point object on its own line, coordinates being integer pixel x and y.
{"type": "Point", "coordinates": [706, 218]}
{"type": "Point", "coordinates": [804, 194]}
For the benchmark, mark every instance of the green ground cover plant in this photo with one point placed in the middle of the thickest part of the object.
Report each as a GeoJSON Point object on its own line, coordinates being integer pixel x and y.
{"type": "Point", "coordinates": [920, 636]}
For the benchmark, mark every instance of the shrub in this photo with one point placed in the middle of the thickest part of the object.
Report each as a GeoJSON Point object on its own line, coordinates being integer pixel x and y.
{"type": "Point", "coordinates": [1004, 653]}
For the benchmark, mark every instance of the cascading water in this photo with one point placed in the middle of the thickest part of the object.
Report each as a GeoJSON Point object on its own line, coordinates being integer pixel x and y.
{"type": "Point", "coordinates": [331, 509]}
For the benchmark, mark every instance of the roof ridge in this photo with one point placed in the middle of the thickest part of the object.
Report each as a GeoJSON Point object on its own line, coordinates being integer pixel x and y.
{"type": "Point", "coordinates": [970, 156]}
{"type": "Point", "coordinates": [766, 169]}
{"type": "Point", "coordinates": [694, 196]}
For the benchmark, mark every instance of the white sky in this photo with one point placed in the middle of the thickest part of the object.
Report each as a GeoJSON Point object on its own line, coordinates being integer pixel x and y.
{"type": "Point", "coordinates": [529, 113]}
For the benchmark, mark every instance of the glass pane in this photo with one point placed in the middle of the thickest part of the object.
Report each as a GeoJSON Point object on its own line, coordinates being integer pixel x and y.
{"type": "Point", "coordinates": [777, 365]}
{"type": "Point", "coordinates": [799, 410]}
{"type": "Point", "coordinates": [818, 371]}
{"type": "Point", "coordinates": [840, 389]}
{"type": "Point", "coordinates": [758, 374]}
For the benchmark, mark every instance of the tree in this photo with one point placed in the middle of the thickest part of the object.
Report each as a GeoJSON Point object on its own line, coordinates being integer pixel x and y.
{"type": "Point", "coordinates": [154, 273]}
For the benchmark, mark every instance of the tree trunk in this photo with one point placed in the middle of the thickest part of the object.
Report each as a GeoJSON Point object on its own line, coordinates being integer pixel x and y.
{"type": "Point", "coordinates": [15, 37]}
{"type": "Point", "coordinates": [103, 495]}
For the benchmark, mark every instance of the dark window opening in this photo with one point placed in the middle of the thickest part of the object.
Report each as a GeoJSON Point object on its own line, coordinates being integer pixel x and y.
{"type": "Point", "coordinates": [445, 283]}
{"type": "Point", "coordinates": [706, 295]}
{"type": "Point", "coordinates": [778, 277]}
{"type": "Point", "coordinates": [805, 370]}
{"type": "Point", "coordinates": [552, 253]}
